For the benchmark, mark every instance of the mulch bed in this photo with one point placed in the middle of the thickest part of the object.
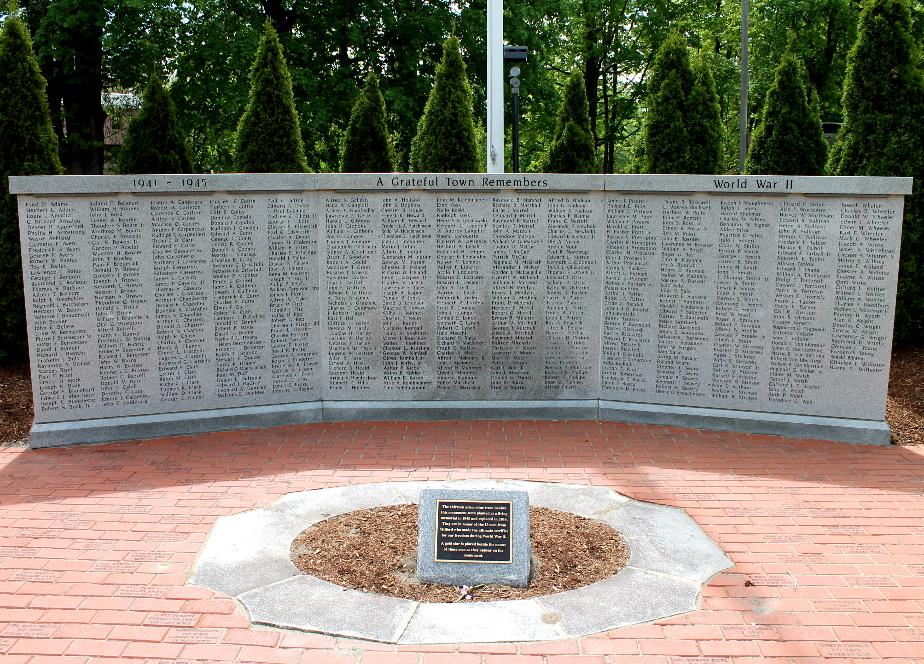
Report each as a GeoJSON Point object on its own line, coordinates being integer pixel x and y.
{"type": "Point", "coordinates": [904, 408]}
{"type": "Point", "coordinates": [375, 550]}
{"type": "Point", "coordinates": [15, 405]}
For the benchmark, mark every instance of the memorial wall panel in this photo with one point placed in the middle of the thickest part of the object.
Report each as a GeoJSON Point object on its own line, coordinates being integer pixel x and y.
{"type": "Point", "coordinates": [170, 302]}
{"type": "Point", "coordinates": [756, 303]}
{"type": "Point", "coordinates": [434, 295]}
{"type": "Point", "coordinates": [169, 294]}
{"type": "Point", "coordinates": [464, 258]}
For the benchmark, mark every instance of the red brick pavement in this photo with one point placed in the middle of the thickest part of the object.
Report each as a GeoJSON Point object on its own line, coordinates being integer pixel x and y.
{"type": "Point", "coordinates": [96, 542]}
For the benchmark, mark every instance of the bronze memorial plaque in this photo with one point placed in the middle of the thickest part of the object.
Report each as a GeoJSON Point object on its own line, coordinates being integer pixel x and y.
{"type": "Point", "coordinates": [473, 531]}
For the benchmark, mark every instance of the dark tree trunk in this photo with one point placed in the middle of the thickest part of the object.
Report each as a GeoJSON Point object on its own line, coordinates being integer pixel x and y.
{"type": "Point", "coordinates": [592, 60]}
{"type": "Point", "coordinates": [819, 78]}
{"type": "Point", "coordinates": [70, 55]}
{"type": "Point", "coordinates": [83, 112]}
{"type": "Point", "coordinates": [51, 70]}
{"type": "Point", "coordinates": [283, 20]}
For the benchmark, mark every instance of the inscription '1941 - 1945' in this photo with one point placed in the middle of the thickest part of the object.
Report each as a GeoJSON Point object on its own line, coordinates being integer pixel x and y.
{"type": "Point", "coordinates": [469, 531]}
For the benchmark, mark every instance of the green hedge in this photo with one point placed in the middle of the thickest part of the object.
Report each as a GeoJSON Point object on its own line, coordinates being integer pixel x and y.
{"type": "Point", "coordinates": [28, 146]}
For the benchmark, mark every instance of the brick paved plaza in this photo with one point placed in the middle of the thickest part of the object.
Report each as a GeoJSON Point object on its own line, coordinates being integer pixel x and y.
{"type": "Point", "coordinates": [96, 542]}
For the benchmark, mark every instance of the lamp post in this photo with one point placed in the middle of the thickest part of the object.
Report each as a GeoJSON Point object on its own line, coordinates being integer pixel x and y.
{"type": "Point", "coordinates": [515, 54]}
{"type": "Point", "coordinates": [515, 100]}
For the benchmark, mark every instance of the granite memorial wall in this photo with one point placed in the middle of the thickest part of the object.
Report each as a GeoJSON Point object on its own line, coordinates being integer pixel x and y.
{"type": "Point", "coordinates": [170, 304]}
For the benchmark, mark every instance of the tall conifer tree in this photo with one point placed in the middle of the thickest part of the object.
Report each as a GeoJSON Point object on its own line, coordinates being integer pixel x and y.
{"type": "Point", "coordinates": [881, 135]}
{"type": "Point", "coordinates": [154, 142]}
{"type": "Point", "coordinates": [28, 146]}
{"type": "Point", "coordinates": [269, 139]}
{"type": "Point", "coordinates": [572, 149]}
{"type": "Point", "coordinates": [704, 127]}
{"type": "Point", "coordinates": [788, 139]}
{"type": "Point", "coordinates": [682, 129]}
{"type": "Point", "coordinates": [666, 146]}
{"type": "Point", "coordinates": [445, 140]}
{"type": "Point", "coordinates": [366, 144]}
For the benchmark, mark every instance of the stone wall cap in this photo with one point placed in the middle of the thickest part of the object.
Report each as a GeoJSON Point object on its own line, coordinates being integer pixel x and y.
{"type": "Point", "coordinates": [760, 184]}
{"type": "Point", "coordinates": [439, 182]}
{"type": "Point", "coordinates": [162, 183]}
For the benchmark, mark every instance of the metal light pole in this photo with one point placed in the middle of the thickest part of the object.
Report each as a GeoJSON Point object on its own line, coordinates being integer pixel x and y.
{"type": "Point", "coordinates": [515, 99]}
{"type": "Point", "coordinates": [495, 85]}
{"type": "Point", "coordinates": [515, 54]}
{"type": "Point", "coordinates": [743, 113]}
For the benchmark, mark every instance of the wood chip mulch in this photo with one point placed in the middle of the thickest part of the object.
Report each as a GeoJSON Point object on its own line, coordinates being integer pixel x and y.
{"type": "Point", "coordinates": [15, 405]}
{"type": "Point", "coordinates": [375, 550]}
{"type": "Point", "coordinates": [905, 406]}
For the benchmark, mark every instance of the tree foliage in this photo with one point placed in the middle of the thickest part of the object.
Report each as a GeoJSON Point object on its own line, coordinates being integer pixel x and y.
{"type": "Point", "coordinates": [28, 146]}
{"type": "Point", "coordinates": [269, 138]}
{"type": "Point", "coordinates": [572, 149]}
{"type": "Point", "coordinates": [818, 33]}
{"type": "Point", "coordinates": [789, 139]}
{"type": "Point", "coordinates": [331, 47]}
{"type": "Point", "coordinates": [665, 146]}
{"type": "Point", "coordinates": [445, 140]}
{"type": "Point", "coordinates": [209, 108]}
{"type": "Point", "coordinates": [69, 38]}
{"type": "Point", "coordinates": [881, 135]}
{"type": "Point", "coordinates": [366, 144]}
{"type": "Point", "coordinates": [682, 131]}
{"type": "Point", "coordinates": [704, 124]}
{"type": "Point", "coordinates": [154, 142]}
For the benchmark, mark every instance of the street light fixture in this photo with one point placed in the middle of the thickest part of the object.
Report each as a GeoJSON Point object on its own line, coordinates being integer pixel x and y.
{"type": "Point", "coordinates": [515, 54]}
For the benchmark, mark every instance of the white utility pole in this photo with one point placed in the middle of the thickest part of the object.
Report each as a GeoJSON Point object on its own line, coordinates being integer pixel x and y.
{"type": "Point", "coordinates": [743, 109]}
{"type": "Point", "coordinates": [495, 83]}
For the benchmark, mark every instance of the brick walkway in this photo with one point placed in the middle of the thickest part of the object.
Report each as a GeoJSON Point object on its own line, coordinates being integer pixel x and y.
{"type": "Point", "coordinates": [828, 540]}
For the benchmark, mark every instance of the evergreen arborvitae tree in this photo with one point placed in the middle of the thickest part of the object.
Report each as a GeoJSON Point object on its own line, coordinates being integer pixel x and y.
{"type": "Point", "coordinates": [704, 122]}
{"type": "Point", "coordinates": [788, 139]}
{"type": "Point", "coordinates": [445, 140]}
{"type": "Point", "coordinates": [881, 135]}
{"type": "Point", "coordinates": [572, 149]}
{"type": "Point", "coordinates": [269, 139]}
{"type": "Point", "coordinates": [154, 142]}
{"type": "Point", "coordinates": [28, 146]}
{"type": "Point", "coordinates": [366, 145]}
{"type": "Point", "coordinates": [666, 146]}
{"type": "Point", "coordinates": [682, 132]}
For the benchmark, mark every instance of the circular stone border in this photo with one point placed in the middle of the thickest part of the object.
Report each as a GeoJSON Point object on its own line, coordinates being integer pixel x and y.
{"type": "Point", "coordinates": [246, 556]}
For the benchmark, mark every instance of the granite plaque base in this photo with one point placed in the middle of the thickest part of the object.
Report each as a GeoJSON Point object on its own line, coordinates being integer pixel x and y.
{"type": "Point", "coordinates": [473, 537]}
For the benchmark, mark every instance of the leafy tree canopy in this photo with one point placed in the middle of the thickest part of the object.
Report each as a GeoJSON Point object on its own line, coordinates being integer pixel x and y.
{"type": "Point", "coordinates": [445, 140]}
{"type": "Point", "coordinates": [153, 142]}
{"type": "Point", "coordinates": [682, 130]}
{"type": "Point", "coordinates": [881, 135]}
{"type": "Point", "coordinates": [269, 138]}
{"type": "Point", "coordinates": [789, 139]}
{"type": "Point", "coordinates": [704, 125]}
{"type": "Point", "coordinates": [366, 143]}
{"type": "Point", "coordinates": [27, 147]}
{"type": "Point", "coordinates": [204, 48]}
{"type": "Point", "coordinates": [572, 149]}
